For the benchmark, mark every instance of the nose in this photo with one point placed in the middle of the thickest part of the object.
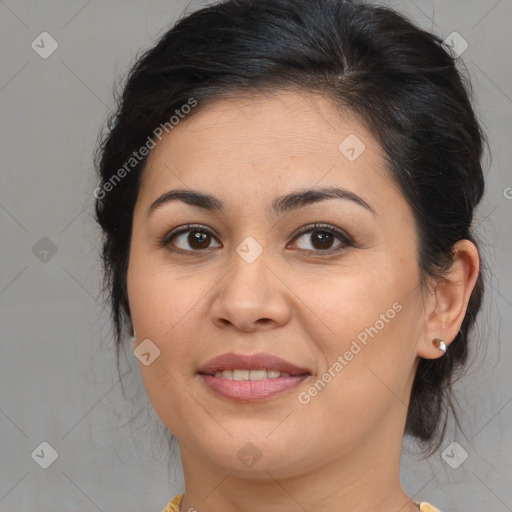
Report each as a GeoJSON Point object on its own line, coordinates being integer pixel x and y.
{"type": "Point", "coordinates": [251, 297]}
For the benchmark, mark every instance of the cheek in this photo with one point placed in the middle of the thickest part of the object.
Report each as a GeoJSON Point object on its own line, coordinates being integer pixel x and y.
{"type": "Point", "coordinates": [162, 308]}
{"type": "Point", "coordinates": [342, 303]}
{"type": "Point", "coordinates": [363, 325]}
{"type": "Point", "coordinates": [160, 297]}
{"type": "Point", "coordinates": [165, 306]}
{"type": "Point", "coordinates": [364, 382]}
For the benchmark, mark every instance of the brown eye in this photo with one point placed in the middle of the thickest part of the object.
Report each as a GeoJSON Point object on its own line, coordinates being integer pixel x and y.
{"type": "Point", "coordinates": [189, 238]}
{"type": "Point", "coordinates": [198, 239]}
{"type": "Point", "coordinates": [321, 239]}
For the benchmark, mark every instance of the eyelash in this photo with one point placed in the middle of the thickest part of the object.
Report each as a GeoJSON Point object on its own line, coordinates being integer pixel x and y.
{"type": "Point", "coordinates": [347, 241]}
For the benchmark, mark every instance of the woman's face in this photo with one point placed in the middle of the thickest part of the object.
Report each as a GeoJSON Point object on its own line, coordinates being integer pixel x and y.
{"type": "Point", "coordinates": [344, 309]}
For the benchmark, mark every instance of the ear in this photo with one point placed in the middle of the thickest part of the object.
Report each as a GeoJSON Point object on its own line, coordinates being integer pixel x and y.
{"type": "Point", "coordinates": [447, 304]}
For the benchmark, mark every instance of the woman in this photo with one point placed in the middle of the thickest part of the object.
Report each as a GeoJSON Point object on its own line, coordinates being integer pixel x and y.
{"type": "Point", "coordinates": [287, 193]}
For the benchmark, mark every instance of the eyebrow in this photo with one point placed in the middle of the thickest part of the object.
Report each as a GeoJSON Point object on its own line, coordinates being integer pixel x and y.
{"type": "Point", "coordinates": [280, 205]}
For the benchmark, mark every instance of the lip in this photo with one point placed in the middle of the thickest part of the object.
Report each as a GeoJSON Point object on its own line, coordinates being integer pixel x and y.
{"type": "Point", "coordinates": [233, 361]}
{"type": "Point", "coordinates": [251, 390]}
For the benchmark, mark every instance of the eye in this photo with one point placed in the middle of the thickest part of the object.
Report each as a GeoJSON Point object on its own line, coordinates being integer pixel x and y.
{"type": "Point", "coordinates": [322, 236]}
{"type": "Point", "coordinates": [196, 236]}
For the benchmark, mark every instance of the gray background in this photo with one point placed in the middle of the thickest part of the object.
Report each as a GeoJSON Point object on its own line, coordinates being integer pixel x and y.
{"type": "Point", "coordinates": [58, 381]}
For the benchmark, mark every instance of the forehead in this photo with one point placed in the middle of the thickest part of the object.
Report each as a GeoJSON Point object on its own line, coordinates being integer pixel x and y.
{"type": "Point", "coordinates": [288, 123]}
{"type": "Point", "coordinates": [252, 145]}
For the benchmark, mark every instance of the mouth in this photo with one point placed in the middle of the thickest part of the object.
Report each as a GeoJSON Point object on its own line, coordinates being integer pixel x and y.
{"type": "Point", "coordinates": [245, 374]}
{"type": "Point", "coordinates": [250, 378]}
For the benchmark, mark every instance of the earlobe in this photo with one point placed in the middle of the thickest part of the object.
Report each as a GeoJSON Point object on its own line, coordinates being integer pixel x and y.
{"type": "Point", "coordinates": [451, 296]}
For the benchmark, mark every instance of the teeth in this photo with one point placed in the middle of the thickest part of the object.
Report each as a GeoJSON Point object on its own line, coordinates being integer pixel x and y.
{"type": "Point", "coordinates": [251, 374]}
{"type": "Point", "coordinates": [241, 374]}
{"type": "Point", "coordinates": [258, 374]}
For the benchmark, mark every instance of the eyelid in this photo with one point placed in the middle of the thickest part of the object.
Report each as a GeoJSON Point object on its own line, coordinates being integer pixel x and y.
{"type": "Point", "coordinates": [165, 240]}
{"type": "Point", "coordinates": [340, 233]}
{"type": "Point", "coordinates": [328, 227]}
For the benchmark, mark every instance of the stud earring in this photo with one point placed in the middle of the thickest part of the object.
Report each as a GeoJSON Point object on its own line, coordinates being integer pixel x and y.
{"type": "Point", "coordinates": [440, 344]}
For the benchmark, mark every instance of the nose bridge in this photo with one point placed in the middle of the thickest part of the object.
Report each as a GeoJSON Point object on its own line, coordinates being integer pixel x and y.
{"type": "Point", "coordinates": [250, 250]}
{"type": "Point", "coordinates": [250, 294]}
{"type": "Point", "coordinates": [250, 270]}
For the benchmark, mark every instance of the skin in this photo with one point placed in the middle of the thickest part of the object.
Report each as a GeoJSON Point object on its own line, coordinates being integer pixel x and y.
{"type": "Point", "coordinates": [341, 451]}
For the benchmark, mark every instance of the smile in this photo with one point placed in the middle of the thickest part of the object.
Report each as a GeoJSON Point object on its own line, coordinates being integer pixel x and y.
{"type": "Point", "coordinates": [251, 374]}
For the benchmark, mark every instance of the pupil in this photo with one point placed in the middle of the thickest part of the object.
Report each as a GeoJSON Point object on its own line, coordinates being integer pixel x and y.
{"type": "Point", "coordinates": [197, 237]}
{"type": "Point", "coordinates": [324, 238]}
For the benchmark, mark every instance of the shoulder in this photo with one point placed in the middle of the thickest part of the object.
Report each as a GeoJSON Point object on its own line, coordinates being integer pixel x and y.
{"type": "Point", "coordinates": [174, 504]}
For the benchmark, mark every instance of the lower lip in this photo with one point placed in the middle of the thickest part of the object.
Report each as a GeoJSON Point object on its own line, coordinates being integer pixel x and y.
{"type": "Point", "coordinates": [252, 390]}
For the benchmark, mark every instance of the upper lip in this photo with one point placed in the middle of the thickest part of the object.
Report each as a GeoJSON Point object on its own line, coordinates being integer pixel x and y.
{"type": "Point", "coordinates": [233, 361]}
